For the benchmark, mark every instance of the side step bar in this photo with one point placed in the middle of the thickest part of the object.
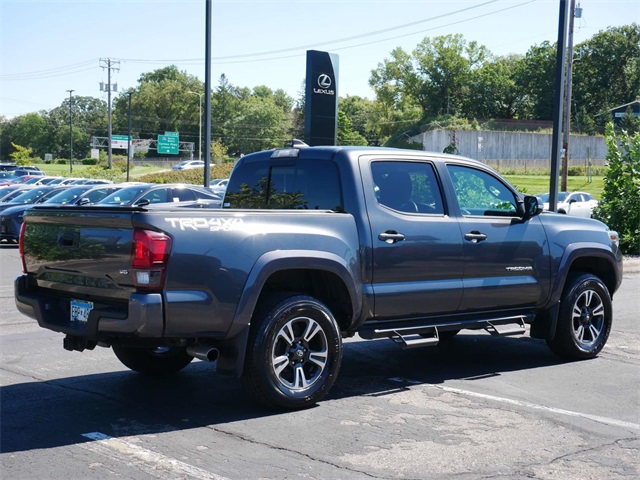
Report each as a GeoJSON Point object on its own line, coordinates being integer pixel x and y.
{"type": "Point", "coordinates": [423, 336]}
{"type": "Point", "coordinates": [506, 329]}
{"type": "Point", "coordinates": [415, 340]}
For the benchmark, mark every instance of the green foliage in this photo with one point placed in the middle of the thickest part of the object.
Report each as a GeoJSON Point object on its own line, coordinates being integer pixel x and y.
{"type": "Point", "coordinates": [21, 155]}
{"type": "Point", "coordinates": [607, 73]}
{"type": "Point", "coordinates": [195, 176]}
{"type": "Point", "coordinates": [620, 204]}
{"type": "Point", "coordinates": [62, 161]}
{"type": "Point", "coordinates": [219, 153]}
{"type": "Point", "coordinates": [346, 134]}
{"type": "Point", "coordinates": [89, 161]}
{"type": "Point", "coordinates": [630, 123]}
{"type": "Point", "coordinates": [535, 80]}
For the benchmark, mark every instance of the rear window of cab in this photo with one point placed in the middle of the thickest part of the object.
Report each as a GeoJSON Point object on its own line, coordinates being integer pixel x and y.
{"type": "Point", "coordinates": [289, 184]}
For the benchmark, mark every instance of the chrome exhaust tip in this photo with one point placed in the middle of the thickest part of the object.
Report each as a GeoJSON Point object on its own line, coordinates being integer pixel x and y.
{"type": "Point", "coordinates": [204, 353]}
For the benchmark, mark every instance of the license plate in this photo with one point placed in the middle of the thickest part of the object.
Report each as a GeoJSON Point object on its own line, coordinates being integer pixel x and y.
{"type": "Point", "coordinates": [80, 311]}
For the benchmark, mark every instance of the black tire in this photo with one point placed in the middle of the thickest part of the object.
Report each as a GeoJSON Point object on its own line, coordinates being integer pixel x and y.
{"type": "Point", "coordinates": [293, 353]}
{"type": "Point", "coordinates": [153, 361]}
{"type": "Point", "coordinates": [584, 318]}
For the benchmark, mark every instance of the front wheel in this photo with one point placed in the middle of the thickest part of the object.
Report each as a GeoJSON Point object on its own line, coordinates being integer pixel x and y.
{"type": "Point", "coordinates": [294, 353]}
{"type": "Point", "coordinates": [153, 361]}
{"type": "Point", "coordinates": [584, 318]}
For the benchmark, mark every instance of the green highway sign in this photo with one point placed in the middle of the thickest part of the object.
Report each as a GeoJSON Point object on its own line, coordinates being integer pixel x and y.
{"type": "Point", "coordinates": [168, 143]}
{"type": "Point", "coordinates": [119, 141]}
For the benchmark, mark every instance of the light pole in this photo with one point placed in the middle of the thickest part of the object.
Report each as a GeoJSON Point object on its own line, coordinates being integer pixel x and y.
{"type": "Point", "coordinates": [129, 137]}
{"type": "Point", "coordinates": [70, 135]}
{"type": "Point", "coordinates": [200, 123]}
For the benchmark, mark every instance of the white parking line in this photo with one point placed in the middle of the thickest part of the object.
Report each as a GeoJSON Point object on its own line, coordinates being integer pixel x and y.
{"type": "Point", "coordinates": [533, 406]}
{"type": "Point", "coordinates": [152, 462]}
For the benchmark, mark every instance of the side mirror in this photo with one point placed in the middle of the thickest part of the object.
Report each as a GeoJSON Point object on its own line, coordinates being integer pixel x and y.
{"type": "Point", "coordinates": [84, 201]}
{"type": "Point", "coordinates": [530, 207]}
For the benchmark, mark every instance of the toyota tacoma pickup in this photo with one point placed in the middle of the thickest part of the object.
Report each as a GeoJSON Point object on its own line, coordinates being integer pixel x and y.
{"type": "Point", "coordinates": [313, 245]}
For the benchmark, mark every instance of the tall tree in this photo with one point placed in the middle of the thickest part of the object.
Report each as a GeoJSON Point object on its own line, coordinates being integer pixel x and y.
{"type": "Point", "coordinates": [89, 119]}
{"type": "Point", "coordinates": [436, 76]}
{"type": "Point", "coordinates": [161, 102]}
{"type": "Point", "coordinates": [493, 91]}
{"type": "Point", "coordinates": [261, 124]}
{"type": "Point", "coordinates": [535, 77]}
{"type": "Point", "coordinates": [606, 70]}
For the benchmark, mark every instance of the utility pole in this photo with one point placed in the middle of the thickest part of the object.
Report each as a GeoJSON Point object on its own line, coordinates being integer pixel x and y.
{"type": "Point", "coordinates": [109, 65]}
{"type": "Point", "coordinates": [567, 99]}
{"type": "Point", "coordinates": [556, 138]}
{"type": "Point", "coordinates": [70, 134]}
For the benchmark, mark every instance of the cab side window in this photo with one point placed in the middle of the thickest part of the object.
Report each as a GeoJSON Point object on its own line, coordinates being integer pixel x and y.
{"type": "Point", "coordinates": [155, 196]}
{"type": "Point", "coordinates": [409, 187]}
{"type": "Point", "coordinates": [480, 193]}
{"type": "Point", "coordinates": [183, 195]}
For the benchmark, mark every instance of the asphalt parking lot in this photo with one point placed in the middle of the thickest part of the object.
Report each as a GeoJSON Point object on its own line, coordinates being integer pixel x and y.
{"type": "Point", "coordinates": [477, 407]}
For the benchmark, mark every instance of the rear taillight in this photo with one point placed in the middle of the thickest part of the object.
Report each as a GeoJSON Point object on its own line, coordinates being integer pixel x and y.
{"type": "Point", "coordinates": [21, 246]}
{"type": "Point", "coordinates": [149, 257]}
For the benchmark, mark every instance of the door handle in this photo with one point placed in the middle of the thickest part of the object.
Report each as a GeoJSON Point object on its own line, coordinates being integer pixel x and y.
{"type": "Point", "coordinates": [475, 236]}
{"type": "Point", "coordinates": [391, 236]}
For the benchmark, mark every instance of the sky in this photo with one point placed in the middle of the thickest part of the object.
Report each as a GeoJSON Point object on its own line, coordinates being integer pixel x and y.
{"type": "Point", "coordinates": [50, 46]}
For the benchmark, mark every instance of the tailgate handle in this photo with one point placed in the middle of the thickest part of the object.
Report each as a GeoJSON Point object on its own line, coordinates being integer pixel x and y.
{"type": "Point", "coordinates": [69, 240]}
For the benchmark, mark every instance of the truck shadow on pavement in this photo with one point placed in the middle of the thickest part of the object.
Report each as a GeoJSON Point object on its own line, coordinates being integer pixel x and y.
{"type": "Point", "coordinates": [54, 413]}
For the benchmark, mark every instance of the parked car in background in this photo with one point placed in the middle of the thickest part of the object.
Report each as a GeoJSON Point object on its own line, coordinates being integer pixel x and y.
{"type": "Point", "coordinates": [6, 167]}
{"type": "Point", "coordinates": [91, 181]}
{"type": "Point", "coordinates": [189, 164]}
{"type": "Point", "coordinates": [219, 186]}
{"type": "Point", "coordinates": [579, 204]}
{"type": "Point", "coordinates": [11, 218]}
{"type": "Point", "coordinates": [65, 180]}
{"type": "Point", "coordinates": [29, 196]}
{"type": "Point", "coordinates": [10, 191]}
{"type": "Point", "coordinates": [31, 171]}
{"type": "Point", "coordinates": [152, 193]}
{"type": "Point", "coordinates": [39, 180]}
{"type": "Point", "coordinates": [7, 178]}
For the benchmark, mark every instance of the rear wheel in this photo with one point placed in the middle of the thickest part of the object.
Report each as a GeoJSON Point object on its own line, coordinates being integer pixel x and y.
{"type": "Point", "coordinates": [153, 361]}
{"type": "Point", "coordinates": [584, 318]}
{"type": "Point", "coordinates": [294, 353]}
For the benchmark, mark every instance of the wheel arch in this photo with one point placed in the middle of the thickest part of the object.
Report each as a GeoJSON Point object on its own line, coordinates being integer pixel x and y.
{"type": "Point", "coordinates": [592, 258]}
{"type": "Point", "coordinates": [322, 275]}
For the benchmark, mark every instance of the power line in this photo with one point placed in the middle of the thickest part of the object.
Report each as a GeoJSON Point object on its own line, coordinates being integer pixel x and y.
{"type": "Point", "coordinates": [76, 68]}
{"type": "Point", "coordinates": [192, 61]}
{"type": "Point", "coordinates": [41, 76]}
{"type": "Point", "coordinates": [328, 42]}
{"type": "Point", "coordinates": [38, 73]}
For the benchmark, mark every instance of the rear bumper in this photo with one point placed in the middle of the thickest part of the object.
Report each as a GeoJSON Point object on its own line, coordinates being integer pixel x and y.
{"type": "Point", "coordinates": [142, 316]}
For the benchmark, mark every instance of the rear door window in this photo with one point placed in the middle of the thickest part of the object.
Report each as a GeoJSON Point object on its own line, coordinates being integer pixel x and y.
{"type": "Point", "coordinates": [409, 187]}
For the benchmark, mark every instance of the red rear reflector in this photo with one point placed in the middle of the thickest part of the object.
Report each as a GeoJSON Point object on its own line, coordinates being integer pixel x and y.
{"type": "Point", "coordinates": [150, 249]}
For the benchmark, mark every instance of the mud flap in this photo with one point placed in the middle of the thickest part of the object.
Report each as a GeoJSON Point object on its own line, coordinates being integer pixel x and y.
{"type": "Point", "coordinates": [544, 326]}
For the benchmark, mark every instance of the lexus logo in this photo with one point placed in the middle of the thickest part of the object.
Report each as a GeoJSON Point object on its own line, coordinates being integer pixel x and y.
{"type": "Point", "coordinates": [324, 81]}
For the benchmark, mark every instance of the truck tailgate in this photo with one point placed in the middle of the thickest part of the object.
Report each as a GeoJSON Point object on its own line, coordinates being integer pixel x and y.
{"type": "Point", "coordinates": [81, 250]}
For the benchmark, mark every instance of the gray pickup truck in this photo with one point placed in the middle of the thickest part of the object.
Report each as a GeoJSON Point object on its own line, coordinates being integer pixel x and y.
{"type": "Point", "coordinates": [313, 245]}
